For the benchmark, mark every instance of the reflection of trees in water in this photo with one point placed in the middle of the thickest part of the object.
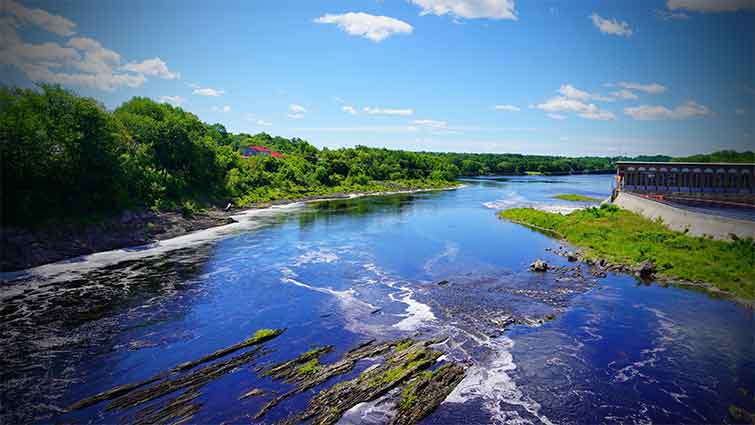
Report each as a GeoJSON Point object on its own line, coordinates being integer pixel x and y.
{"type": "Point", "coordinates": [55, 328]}
{"type": "Point", "coordinates": [333, 210]}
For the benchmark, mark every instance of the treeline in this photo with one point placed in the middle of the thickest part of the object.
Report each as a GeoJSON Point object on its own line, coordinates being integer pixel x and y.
{"type": "Point", "coordinates": [495, 164]}
{"type": "Point", "coordinates": [720, 156]}
{"type": "Point", "coordinates": [66, 156]}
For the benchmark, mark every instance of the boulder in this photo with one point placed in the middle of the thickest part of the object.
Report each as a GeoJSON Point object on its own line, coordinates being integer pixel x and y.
{"type": "Point", "coordinates": [571, 256]}
{"type": "Point", "coordinates": [646, 269]}
{"type": "Point", "coordinates": [539, 266]}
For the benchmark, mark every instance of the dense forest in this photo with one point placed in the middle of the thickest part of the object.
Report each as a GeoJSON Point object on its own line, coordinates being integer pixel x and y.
{"type": "Point", "coordinates": [66, 156]}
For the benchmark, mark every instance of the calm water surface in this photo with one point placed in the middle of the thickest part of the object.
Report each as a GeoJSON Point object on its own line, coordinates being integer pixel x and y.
{"type": "Point", "coordinates": [342, 272]}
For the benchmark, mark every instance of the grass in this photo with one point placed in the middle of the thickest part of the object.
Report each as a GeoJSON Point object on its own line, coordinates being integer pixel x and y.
{"type": "Point", "coordinates": [534, 173]}
{"type": "Point", "coordinates": [622, 237]}
{"type": "Point", "coordinates": [576, 198]}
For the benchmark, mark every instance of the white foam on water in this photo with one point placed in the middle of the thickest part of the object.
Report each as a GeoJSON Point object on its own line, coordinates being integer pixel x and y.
{"type": "Point", "coordinates": [355, 310]}
{"type": "Point", "coordinates": [378, 411]}
{"type": "Point", "coordinates": [417, 313]}
{"type": "Point", "coordinates": [450, 252]}
{"type": "Point", "coordinates": [67, 269]}
{"type": "Point", "coordinates": [316, 256]}
{"type": "Point", "coordinates": [490, 382]}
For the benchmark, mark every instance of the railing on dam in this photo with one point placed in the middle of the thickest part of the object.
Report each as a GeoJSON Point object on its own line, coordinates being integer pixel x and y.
{"type": "Point", "coordinates": [706, 179]}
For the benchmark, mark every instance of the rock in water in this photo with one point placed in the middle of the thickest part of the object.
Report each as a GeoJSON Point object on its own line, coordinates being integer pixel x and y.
{"type": "Point", "coordinates": [571, 256]}
{"type": "Point", "coordinates": [253, 393]}
{"type": "Point", "coordinates": [539, 266]}
{"type": "Point", "coordinates": [646, 270]}
{"type": "Point", "coordinates": [423, 394]}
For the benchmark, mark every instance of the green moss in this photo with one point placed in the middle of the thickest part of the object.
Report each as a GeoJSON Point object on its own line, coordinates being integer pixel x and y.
{"type": "Point", "coordinates": [622, 237]}
{"type": "Point", "coordinates": [576, 198]}
{"type": "Point", "coordinates": [409, 394]}
{"type": "Point", "coordinates": [266, 334]}
{"type": "Point", "coordinates": [403, 345]}
{"type": "Point", "coordinates": [309, 367]}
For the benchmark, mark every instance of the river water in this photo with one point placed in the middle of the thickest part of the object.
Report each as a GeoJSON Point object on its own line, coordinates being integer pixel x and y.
{"type": "Point", "coordinates": [540, 348]}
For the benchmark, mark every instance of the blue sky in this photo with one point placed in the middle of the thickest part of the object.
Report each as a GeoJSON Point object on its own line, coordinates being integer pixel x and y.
{"type": "Point", "coordinates": [546, 77]}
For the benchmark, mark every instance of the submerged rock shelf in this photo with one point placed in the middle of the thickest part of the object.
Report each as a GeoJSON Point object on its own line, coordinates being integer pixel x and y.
{"type": "Point", "coordinates": [405, 364]}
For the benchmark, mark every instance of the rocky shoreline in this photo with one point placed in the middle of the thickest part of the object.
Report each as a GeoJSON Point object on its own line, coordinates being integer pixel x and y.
{"type": "Point", "coordinates": [646, 272]}
{"type": "Point", "coordinates": [27, 248]}
{"type": "Point", "coordinates": [24, 248]}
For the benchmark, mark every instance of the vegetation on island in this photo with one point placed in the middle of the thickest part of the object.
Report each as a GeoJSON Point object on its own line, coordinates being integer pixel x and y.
{"type": "Point", "coordinates": [576, 198]}
{"type": "Point", "coordinates": [622, 237]}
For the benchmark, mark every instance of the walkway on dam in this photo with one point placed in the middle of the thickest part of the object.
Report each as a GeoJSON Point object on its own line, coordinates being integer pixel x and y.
{"type": "Point", "coordinates": [719, 223]}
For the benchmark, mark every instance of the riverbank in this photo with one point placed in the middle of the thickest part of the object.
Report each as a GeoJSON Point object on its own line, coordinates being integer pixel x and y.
{"type": "Point", "coordinates": [622, 241]}
{"type": "Point", "coordinates": [54, 242]}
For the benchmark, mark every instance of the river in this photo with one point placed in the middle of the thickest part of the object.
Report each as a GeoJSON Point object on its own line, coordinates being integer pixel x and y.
{"type": "Point", "coordinates": [539, 347]}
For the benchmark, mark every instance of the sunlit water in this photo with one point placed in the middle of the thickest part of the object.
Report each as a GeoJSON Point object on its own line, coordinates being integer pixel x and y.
{"type": "Point", "coordinates": [341, 272]}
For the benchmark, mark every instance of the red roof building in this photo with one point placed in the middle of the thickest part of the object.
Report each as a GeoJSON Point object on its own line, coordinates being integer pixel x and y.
{"type": "Point", "coordinates": [259, 150]}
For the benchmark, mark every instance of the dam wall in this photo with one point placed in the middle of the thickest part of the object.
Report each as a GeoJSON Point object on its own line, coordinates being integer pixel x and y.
{"type": "Point", "coordinates": [678, 219]}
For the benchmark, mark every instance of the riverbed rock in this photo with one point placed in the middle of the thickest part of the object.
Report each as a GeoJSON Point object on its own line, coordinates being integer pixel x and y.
{"type": "Point", "coordinates": [572, 256]}
{"type": "Point", "coordinates": [255, 392]}
{"type": "Point", "coordinates": [405, 362]}
{"type": "Point", "coordinates": [646, 269]}
{"type": "Point", "coordinates": [539, 266]}
{"type": "Point", "coordinates": [741, 415]}
{"type": "Point", "coordinates": [442, 283]}
{"type": "Point", "coordinates": [425, 392]}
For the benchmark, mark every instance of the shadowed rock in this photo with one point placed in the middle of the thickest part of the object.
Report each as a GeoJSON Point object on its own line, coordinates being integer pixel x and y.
{"type": "Point", "coordinates": [407, 359]}
{"type": "Point", "coordinates": [325, 372]}
{"type": "Point", "coordinates": [162, 388]}
{"type": "Point", "coordinates": [425, 392]}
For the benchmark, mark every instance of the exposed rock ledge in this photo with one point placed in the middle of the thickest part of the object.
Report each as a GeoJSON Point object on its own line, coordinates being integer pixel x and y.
{"type": "Point", "coordinates": [22, 248]}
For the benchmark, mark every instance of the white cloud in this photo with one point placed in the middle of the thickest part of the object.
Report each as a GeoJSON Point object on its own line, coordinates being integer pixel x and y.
{"type": "Point", "coordinates": [711, 5]}
{"type": "Point", "coordinates": [371, 27]}
{"type": "Point", "coordinates": [574, 93]}
{"type": "Point", "coordinates": [431, 123]}
{"type": "Point", "coordinates": [173, 100]}
{"type": "Point", "coordinates": [349, 110]}
{"type": "Point", "coordinates": [263, 123]}
{"type": "Point", "coordinates": [653, 88]}
{"type": "Point", "coordinates": [509, 108]}
{"type": "Point", "coordinates": [82, 62]}
{"type": "Point", "coordinates": [557, 116]}
{"type": "Point", "coordinates": [469, 9]}
{"type": "Point", "coordinates": [687, 110]}
{"type": "Point", "coordinates": [206, 91]}
{"type": "Point", "coordinates": [624, 94]}
{"type": "Point", "coordinates": [387, 111]}
{"type": "Point", "coordinates": [155, 67]}
{"type": "Point", "coordinates": [610, 26]}
{"type": "Point", "coordinates": [226, 108]}
{"type": "Point", "coordinates": [739, 111]}
{"type": "Point", "coordinates": [296, 109]}
{"type": "Point", "coordinates": [295, 116]}
{"type": "Point", "coordinates": [53, 23]}
{"type": "Point", "coordinates": [563, 104]}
